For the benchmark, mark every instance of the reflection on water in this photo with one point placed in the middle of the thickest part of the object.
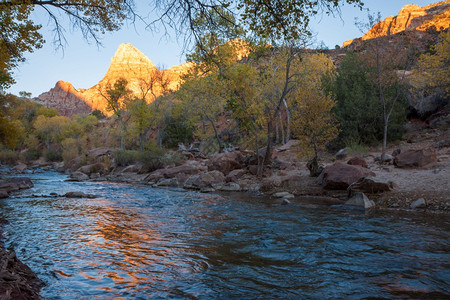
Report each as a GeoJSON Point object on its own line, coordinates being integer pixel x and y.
{"type": "Point", "coordinates": [138, 242]}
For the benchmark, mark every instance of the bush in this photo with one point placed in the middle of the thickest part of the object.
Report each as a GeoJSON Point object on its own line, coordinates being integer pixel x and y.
{"type": "Point", "coordinates": [152, 160]}
{"type": "Point", "coordinates": [70, 149]}
{"type": "Point", "coordinates": [53, 156]}
{"type": "Point", "coordinates": [32, 154]}
{"type": "Point", "coordinates": [9, 157]}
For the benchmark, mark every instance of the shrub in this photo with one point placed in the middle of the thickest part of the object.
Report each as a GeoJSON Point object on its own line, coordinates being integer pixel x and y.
{"type": "Point", "coordinates": [53, 156]}
{"type": "Point", "coordinates": [8, 157]}
{"type": "Point", "coordinates": [152, 160]}
{"type": "Point", "coordinates": [32, 154]}
{"type": "Point", "coordinates": [70, 149]}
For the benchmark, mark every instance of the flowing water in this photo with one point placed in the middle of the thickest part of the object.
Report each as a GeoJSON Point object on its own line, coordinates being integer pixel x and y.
{"type": "Point", "coordinates": [137, 242]}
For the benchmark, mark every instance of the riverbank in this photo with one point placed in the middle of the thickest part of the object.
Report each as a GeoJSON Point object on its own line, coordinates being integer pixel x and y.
{"type": "Point", "coordinates": [17, 280]}
{"type": "Point", "coordinates": [416, 175]}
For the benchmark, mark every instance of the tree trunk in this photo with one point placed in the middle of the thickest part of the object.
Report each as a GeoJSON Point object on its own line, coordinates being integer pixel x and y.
{"type": "Point", "coordinates": [288, 121]}
{"type": "Point", "coordinates": [283, 138]}
{"type": "Point", "coordinates": [268, 157]}
{"type": "Point", "coordinates": [141, 137]}
{"type": "Point", "coordinates": [383, 149]}
{"type": "Point", "coordinates": [122, 129]}
{"type": "Point", "coordinates": [215, 132]}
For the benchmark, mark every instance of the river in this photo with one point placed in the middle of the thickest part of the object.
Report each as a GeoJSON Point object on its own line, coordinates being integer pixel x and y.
{"type": "Point", "coordinates": [138, 242]}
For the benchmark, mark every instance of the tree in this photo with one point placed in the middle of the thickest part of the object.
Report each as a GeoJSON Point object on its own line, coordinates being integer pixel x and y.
{"type": "Point", "coordinates": [313, 122]}
{"type": "Point", "coordinates": [205, 95]}
{"type": "Point", "coordinates": [19, 34]}
{"type": "Point", "coordinates": [384, 60]}
{"type": "Point", "coordinates": [432, 73]}
{"type": "Point", "coordinates": [116, 97]}
{"type": "Point", "coordinates": [275, 19]}
{"type": "Point", "coordinates": [51, 129]}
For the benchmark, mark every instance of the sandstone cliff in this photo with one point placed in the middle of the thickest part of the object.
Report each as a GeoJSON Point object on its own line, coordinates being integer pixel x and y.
{"type": "Point", "coordinates": [65, 98]}
{"type": "Point", "coordinates": [129, 63]}
{"type": "Point", "coordinates": [410, 18]}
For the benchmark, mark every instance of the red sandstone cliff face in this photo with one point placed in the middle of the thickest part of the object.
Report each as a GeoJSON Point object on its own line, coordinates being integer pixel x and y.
{"type": "Point", "coordinates": [410, 18]}
{"type": "Point", "coordinates": [129, 63]}
{"type": "Point", "coordinates": [65, 98]}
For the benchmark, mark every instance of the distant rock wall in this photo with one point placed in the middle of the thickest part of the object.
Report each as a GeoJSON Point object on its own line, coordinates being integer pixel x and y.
{"type": "Point", "coordinates": [65, 98]}
{"type": "Point", "coordinates": [129, 63]}
{"type": "Point", "coordinates": [411, 17]}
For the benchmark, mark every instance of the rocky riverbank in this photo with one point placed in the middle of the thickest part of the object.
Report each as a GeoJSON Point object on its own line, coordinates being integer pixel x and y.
{"type": "Point", "coordinates": [17, 281]}
{"type": "Point", "coordinates": [415, 175]}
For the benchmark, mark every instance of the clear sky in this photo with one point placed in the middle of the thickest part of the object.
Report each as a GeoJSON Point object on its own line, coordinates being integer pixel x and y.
{"type": "Point", "coordinates": [85, 64]}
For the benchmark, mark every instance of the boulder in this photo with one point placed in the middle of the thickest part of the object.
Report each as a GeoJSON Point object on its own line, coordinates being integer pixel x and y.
{"type": "Point", "coordinates": [73, 164]}
{"type": "Point", "coordinates": [360, 200]}
{"type": "Point", "coordinates": [370, 185]}
{"type": "Point", "coordinates": [419, 203]}
{"type": "Point", "coordinates": [20, 167]}
{"type": "Point", "coordinates": [387, 158]}
{"type": "Point", "coordinates": [340, 176]}
{"type": "Point", "coordinates": [98, 152]}
{"type": "Point", "coordinates": [227, 187]}
{"type": "Point", "coordinates": [189, 168]}
{"type": "Point", "coordinates": [16, 183]}
{"type": "Point", "coordinates": [172, 182]}
{"type": "Point", "coordinates": [234, 175]}
{"type": "Point", "coordinates": [281, 194]}
{"type": "Point", "coordinates": [357, 161]}
{"type": "Point", "coordinates": [3, 194]}
{"type": "Point", "coordinates": [79, 195]}
{"type": "Point", "coordinates": [288, 145]}
{"type": "Point", "coordinates": [341, 154]}
{"type": "Point", "coordinates": [132, 168]}
{"type": "Point", "coordinates": [155, 176]}
{"type": "Point", "coordinates": [78, 176]}
{"type": "Point", "coordinates": [209, 178]}
{"type": "Point", "coordinates": [422, 158]}
{"type": "Point", "coordinates": [290, 181]}
{"type": "Point", "coordinates": [93, 168]}
{"type": "Point", "coordinates": [226, 162]}
{"type": "Point", "coordinates": [190, 182]}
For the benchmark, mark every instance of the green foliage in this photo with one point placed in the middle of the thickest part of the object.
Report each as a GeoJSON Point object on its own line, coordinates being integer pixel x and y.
{"type": "Point", "coordinates": [8, 157]}
{"type": "Point", "coordinates": [69, 149]}
{"type": "Point", "coordinates": [358, 109]}
{"type": "Point", "coordinates": [47, 112]}
{"type": "Point", "coordinates": [98, 114]}
{"type": "Point", "coordinates": [54, 156]}
{"type": "Point", "coordinates": [32, 154]}
{"type": "Point", "coordinates": [177, 131]}
{"type": "Point", "coordinates": [432, 73]}
{"type": "Point", "coordinates": [288, 20]}
{"type": "Point", "coordinates": [152, 159]}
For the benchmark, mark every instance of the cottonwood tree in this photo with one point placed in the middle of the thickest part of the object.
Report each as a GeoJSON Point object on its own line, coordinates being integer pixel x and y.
{"type": "Point", "coordinates": [388, 64]}
{"type": "Point", "coordinates": [313, 121]}
{"type": "Point", "coordinates": [205, 96]}
{"type": "Point", "coordinates": [116, 97]}
{"type": "Point", "coordinates": [431, 75]}
{"type": "Point", "coordinates": [51, 129]}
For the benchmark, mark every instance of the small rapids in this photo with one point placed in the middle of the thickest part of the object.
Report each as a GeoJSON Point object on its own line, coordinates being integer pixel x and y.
{"type": "Point", "coordinates": [137, 242]}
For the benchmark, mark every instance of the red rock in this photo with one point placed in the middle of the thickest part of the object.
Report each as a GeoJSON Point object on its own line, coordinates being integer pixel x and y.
{"type": "Point", "coordinates": [416, 159]}
{"type": "Point", "coordinates": [93, 168]}
{"type": "Point", "coordinates": [209, 178]}
{"type": "Point", "coordinates": [357, 161]}
{"type": "Point", "coordinates": [226, 162]}
{"type": "Point", "coordinates": [234, 175]}
{"type": "Point", "coordinates": [189, 168]}
{"type": "Point", "coordinates": [411, 17]}
{"type": "Point", "coordinates": [339, 176]}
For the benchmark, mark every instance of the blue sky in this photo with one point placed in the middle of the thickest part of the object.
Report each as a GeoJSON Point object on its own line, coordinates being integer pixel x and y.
{"type": "Point", "coordinates": [85, 64]}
